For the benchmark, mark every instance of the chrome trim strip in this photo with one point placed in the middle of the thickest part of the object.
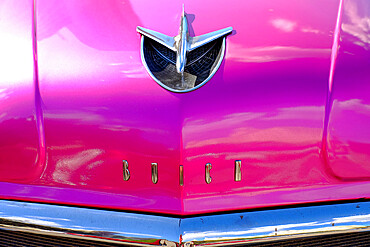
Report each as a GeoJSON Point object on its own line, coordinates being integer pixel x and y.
{"type": "Point", "coordinates": [135, 229]}
{"type": "Point", "coordinates": [212, 230]}
{"type": "Point", "coordinates": [278, 224]}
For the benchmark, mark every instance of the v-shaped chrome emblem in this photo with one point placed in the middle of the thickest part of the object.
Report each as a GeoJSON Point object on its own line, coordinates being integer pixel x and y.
{"type": "Point", "coordinates": [183, 43]}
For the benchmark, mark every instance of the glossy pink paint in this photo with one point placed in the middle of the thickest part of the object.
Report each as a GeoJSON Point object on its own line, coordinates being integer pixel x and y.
{"type": "Point", "coordinates": [348, 152]}
{"type": "Point", "coordinates": [265, 106]}
{"type": "Point", "coordinates": [21, 155]}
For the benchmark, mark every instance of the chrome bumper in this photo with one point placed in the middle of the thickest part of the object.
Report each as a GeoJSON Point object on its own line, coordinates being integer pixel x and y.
{"type": "Point", "coordinates": [150, 230]}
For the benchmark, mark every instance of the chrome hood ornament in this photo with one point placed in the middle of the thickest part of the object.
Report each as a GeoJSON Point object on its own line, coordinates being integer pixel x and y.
{"type": "Point", "coordinates": [166, 52]}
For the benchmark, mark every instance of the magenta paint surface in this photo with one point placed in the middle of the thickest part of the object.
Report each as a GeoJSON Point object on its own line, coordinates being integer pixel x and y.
{"type": "Point", "coordinates": [269, 105]}
{"type": "Point", "coordinates": [348, 152]}
{"type": "Point", "coordinates": [21, 156]}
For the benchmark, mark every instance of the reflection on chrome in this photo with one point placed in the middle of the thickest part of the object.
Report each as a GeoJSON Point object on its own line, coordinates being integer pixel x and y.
{"type": "Point", "coordinates": [267, 230]}
{"type": "Point", "coordinates": [263, 54]}
{"type": "Point", "coordinates": [272, 224]}
{"type": "Point", "coordinates": [357, 218]}
{"type": "Point", "coordinates": [150, 230]}
{"type": "Point", "coordinates": [32, 221]}
{"type": "Point", "coordinates": [83, 222]}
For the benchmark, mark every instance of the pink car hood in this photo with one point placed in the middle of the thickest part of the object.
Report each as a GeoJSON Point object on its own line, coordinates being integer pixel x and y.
{"type": "Point", "coordinates": [286, 102]}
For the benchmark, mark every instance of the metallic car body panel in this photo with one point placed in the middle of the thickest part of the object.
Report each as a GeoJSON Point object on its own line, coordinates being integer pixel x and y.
{"type": "Point", "coordinates": [264, 106]}
{"type": "Point", "coordinates": [22, 149]}
{"type": "Point", "coordinates": [348, 143]}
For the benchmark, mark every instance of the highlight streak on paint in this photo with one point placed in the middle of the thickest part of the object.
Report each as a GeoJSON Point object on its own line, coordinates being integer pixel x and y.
{"type": "Point", "coordinates": [334, 55]}
{"type": "Point", "coordinates": [334, 49]}
{"type": "Point", "coordinates": [41, 159]}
